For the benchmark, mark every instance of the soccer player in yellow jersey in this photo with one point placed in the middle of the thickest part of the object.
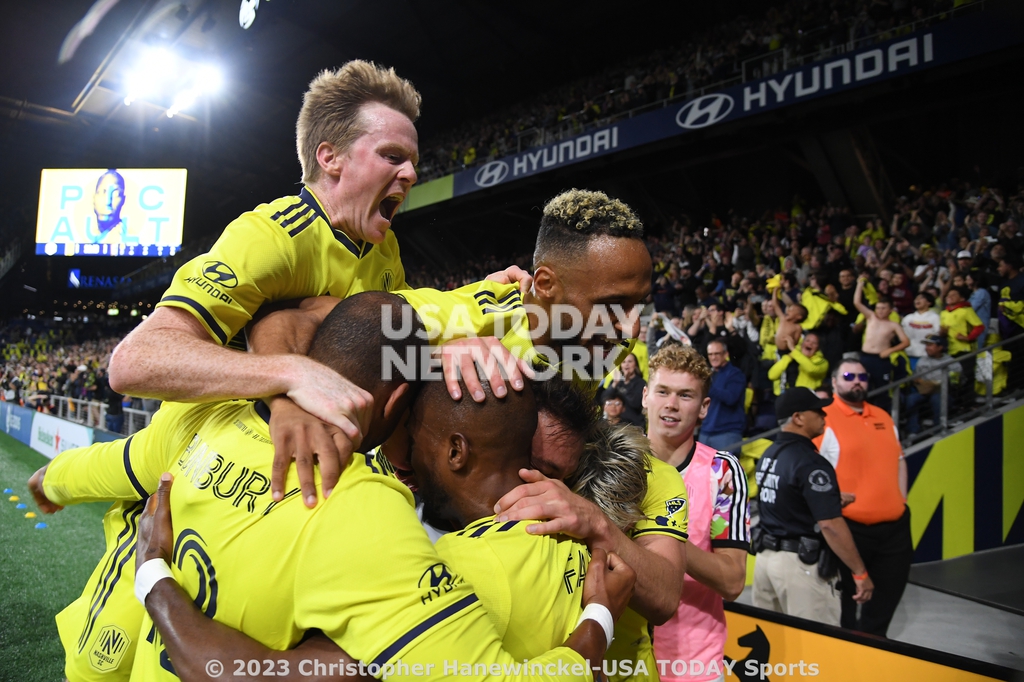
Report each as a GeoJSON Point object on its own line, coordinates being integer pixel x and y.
{"type": "Point", "coordinates": [589, 256]}
{"type": "Point", "coordinates": [358, 149]}
{"type": "Point", "coordinates": [231, 536]}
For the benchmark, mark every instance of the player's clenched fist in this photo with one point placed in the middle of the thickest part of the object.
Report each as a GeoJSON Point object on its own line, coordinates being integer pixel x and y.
{"type": "Point", "coordinates": [609, 582]}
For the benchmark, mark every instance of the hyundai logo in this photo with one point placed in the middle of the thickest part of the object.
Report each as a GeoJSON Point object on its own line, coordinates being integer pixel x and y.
{"type": "Point", "coordinates": [491, 174]}
{"type": "Point", "coordinates": [704, 111]}
{"type": "Point", "coordinates": [220, 273]}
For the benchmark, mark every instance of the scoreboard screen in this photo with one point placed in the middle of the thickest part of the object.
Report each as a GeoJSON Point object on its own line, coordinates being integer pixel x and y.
{"type": "Point", "coordinates": [110, 212]}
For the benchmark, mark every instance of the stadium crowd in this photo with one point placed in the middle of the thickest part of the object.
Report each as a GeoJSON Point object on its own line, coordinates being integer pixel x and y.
{"type": "Point", "coordinates": [703, 58]}
{"type": "Point", "coordinates": [790, 292]}
{"type": "Point", "coordinates": [778, 289]}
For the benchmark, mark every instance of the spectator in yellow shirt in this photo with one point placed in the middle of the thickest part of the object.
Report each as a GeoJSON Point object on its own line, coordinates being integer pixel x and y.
{"type": "Point", "coordinates": [812, 367]}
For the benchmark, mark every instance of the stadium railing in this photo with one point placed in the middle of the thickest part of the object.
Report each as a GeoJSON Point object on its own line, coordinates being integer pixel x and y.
{"type": "Point", "coordinates": [90, 412]}
{"type": "Point", "coordinates": [954, 410]}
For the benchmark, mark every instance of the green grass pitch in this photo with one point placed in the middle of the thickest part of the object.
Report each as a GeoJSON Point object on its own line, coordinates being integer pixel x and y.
{"type": "Point", "coordinates": [42, 570]}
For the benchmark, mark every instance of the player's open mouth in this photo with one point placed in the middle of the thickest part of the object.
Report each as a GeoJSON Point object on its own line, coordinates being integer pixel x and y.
{"type": "Point", "coordinates": [407, 477]}
{"type": "Point", "coordinates": [389, 206]}
{"type": "Point", "coordinates": [669, 421]}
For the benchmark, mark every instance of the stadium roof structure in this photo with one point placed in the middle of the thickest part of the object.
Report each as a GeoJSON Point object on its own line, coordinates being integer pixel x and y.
{"type": "Point", "coordinates": [466, 58]}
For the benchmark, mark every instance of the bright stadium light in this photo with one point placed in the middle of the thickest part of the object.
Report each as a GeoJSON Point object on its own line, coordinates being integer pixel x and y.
{"type": "Point", "coordinates": [183, 100]}
{"type": "Point", "coordinates": [155, 67]}
{"type": "Point", "coordinates": [209, 79]}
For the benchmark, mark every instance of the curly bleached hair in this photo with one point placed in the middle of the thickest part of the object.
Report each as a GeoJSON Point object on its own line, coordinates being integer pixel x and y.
{"type": "Point", "coordinates": [331, 106]}
{"type": "Point", "coordinates": [575, 217]}
{"type": "Point", "coordinates": [612, 472]}
{"type": "Point", "coordinates": [678, 358]}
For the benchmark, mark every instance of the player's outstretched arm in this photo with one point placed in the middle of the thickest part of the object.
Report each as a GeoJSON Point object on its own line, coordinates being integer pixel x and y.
{"type": "Point", "coordinates": [659, 561]}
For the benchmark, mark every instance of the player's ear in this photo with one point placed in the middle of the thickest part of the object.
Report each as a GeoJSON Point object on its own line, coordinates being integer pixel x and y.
{"type": "Point", "coordinates": [643, 398]}
{"type": "Point", "coordinates": [395, 400]}
{"type": "Point", "coordinates": [546, 284]}
{"type": "Point", "coordinates": [329, 158]}
{"type": "Point", "coordinates": [458, 452]}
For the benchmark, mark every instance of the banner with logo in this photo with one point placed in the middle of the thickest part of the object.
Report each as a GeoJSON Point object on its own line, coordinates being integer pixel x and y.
{"type": "Point", "coordinates": [944, 43]}
{"type": "Point", "coordinates": [52, 435]}
{"type": "Point", "coordinates": [763, 646]}
{"type": "Point", "coordinates": [16, 421]}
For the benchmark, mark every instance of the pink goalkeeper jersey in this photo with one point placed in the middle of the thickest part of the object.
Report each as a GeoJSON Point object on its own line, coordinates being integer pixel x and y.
{"type": "Point", "coordinates": [716, 488]}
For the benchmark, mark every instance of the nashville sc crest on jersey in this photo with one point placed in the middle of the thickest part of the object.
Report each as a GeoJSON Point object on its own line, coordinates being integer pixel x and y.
{"type": "Point", "coordinates": [387, 280]}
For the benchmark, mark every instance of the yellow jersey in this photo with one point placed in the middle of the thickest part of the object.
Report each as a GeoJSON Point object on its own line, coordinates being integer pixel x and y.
{"type": "Point", "coordinates": [960, 320]}
{"type": "Point", "coordinates": [246, 560]}
{"type": "Point", "coordinates": [491, 309]}
{"type": "Point", "coordinates": [530, 585]}
{"type": "Point", "coordinates": [281, 250]}
{"type": "Point", "coordinates": [666, 513]}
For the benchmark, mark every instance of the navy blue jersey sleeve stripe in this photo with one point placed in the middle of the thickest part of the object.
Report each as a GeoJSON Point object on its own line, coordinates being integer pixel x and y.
{"type": "Point", "coordinates": [211, 321]}
{"type": "Point", "coordinates": [299, 215]}
{"type": "Point", "coordinates": [303, 226]}
{"type": "Point", "coordinates": [128, 469]}
{"type": "Point", "coordinates": [404, 640]}
{"type": "Point", "coordinates": [282, 213]}
{"type": "Point", "coordinates": [508, 525]}
{"type": "Point", "coordinates": [481, 530]}
{"type": "Point", "coordinates": [663, 531]}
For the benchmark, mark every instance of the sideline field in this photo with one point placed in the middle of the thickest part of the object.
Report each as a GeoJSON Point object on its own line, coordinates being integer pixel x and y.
{"type": "Point", "coordinates": [42, 570]}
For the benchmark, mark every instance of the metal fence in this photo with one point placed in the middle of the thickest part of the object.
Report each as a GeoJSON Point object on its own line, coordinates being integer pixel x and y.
{"type": "Point", "coordinates": [957, 403]}
{"type": "Point", "coordinates": [90, 412]}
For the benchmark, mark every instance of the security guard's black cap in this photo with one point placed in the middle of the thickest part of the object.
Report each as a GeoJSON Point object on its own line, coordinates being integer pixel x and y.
{"type": "Point", "coordinates": [798, 400]}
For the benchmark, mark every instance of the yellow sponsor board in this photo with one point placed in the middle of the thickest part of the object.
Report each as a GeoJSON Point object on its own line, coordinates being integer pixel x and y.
{"type": "Point", "coordinates": [763, 648]}
{"type": "Point", "coordinates": [110, 211]}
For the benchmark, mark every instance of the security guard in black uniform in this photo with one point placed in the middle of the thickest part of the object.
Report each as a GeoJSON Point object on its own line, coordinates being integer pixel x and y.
{"type": "Point", "coordinates": [800, 506]}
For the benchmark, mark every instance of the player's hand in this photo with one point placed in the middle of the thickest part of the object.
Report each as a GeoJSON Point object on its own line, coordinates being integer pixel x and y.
{"type": "Point", "coordinates": [35, 486]}
{"type": "Point", "coordinates": [459, 360]}
{"type": "Point", "coordinates": [609, 582]}
{"type": "Point", "coordinates": [864, 589]}
{"type": "Point", "coordinates": [548, 499]}
{"type": "Point", "coordinates": [332, 398]}
{"type": "Point", "coordinates": [884, 353]}
{"type": "Point", "coordinates": [156, 536]}
{"type": "Point", "coordinates": [300, 436]}
{"type": "Point", "coordinates": [512, 273]}
{"type": "Point", "coordinates": [847, 498]}
{"type": "Point", "coordinates": [962, 337]}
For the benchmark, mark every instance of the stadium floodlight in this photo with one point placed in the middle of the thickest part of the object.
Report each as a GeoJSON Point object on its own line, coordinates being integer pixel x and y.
{"type": "Point", "coordinates": [209, 79]}
{"type": "Point", "coordinates": [155, 67]}
{"type": "Point", "coordinates": [183, 100]}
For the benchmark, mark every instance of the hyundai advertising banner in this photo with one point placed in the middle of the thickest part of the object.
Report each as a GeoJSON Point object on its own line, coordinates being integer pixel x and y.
{"type": "Point", "coordinates": [943, 43]}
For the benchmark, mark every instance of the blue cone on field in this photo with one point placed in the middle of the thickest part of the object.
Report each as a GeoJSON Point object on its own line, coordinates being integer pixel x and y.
{"type": "Point", "coordinates": [7, 491]}
{"type": "Point", "coordinates": [20, 505]}
{"type": "Point", "coordinates": [40, 525]}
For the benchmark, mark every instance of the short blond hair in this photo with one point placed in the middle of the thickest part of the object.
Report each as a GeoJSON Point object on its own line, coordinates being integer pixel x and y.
{"type": "Point", "coordinates": [331, 106]}
{"type": "Point", "coordinates": [678, 358]}
{"type": "Point", "coordinates": [576, 216]}
{"type": "Point", "coordinates": [612, 472]}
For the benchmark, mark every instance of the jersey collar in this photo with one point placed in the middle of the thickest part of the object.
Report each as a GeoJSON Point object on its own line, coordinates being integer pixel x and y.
{"type": "Point", "coordinates": [686, 462]}
{"type": "Point", "coordinates": [357, 249]}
